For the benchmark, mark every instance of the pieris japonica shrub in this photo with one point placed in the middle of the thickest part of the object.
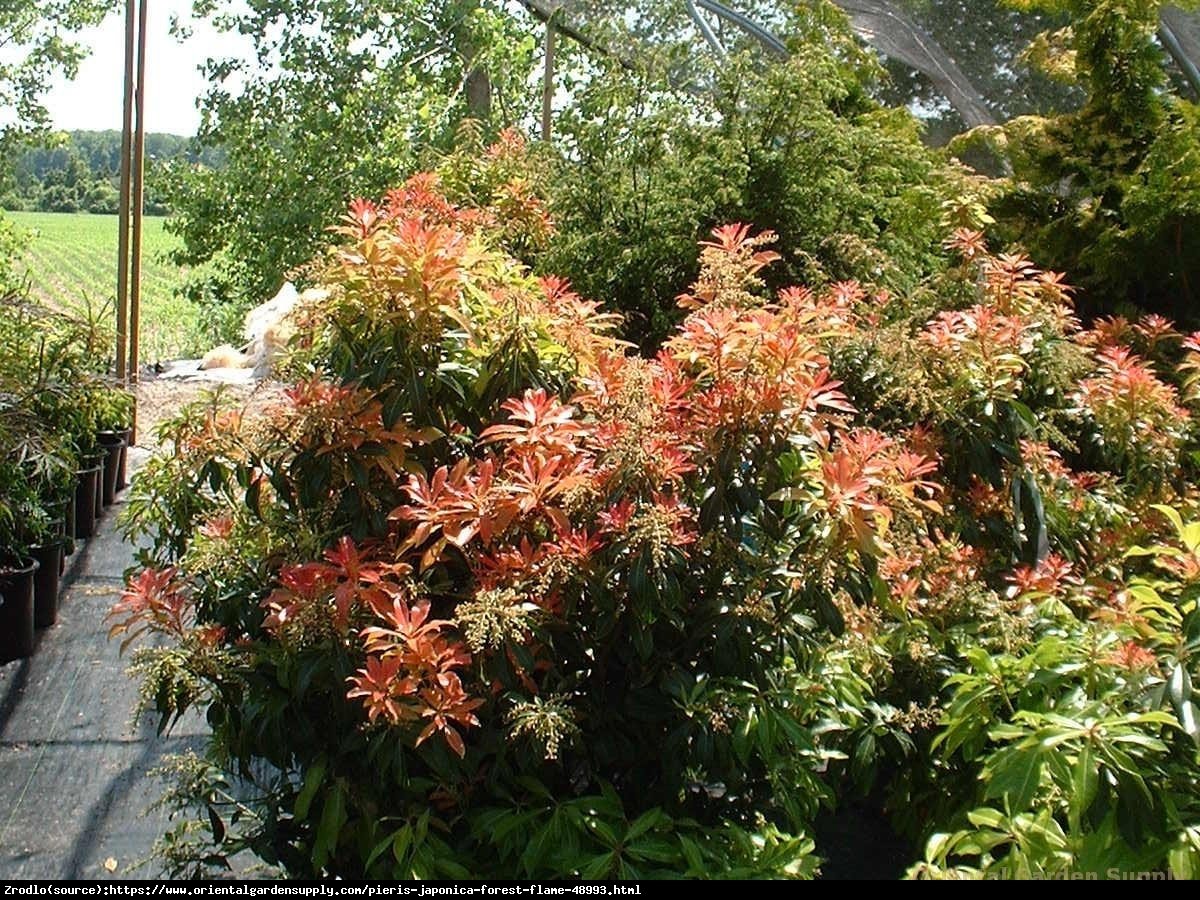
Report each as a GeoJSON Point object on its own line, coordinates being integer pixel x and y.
{"type": "Point", "coordinates": [1058, 593]}
{"type": "Point", "coordinates": [483, 593]}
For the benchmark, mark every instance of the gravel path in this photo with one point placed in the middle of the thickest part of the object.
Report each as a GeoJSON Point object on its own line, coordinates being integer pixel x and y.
{"type": "Point", "coordinates": [75, 789]}
{"type": "Point", "coordinates": [160, 397]}
{"type": "Point", "coordinates": [75, 784]}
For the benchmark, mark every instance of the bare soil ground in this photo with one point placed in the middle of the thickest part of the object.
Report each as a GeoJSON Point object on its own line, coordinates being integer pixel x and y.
{"type": "Point", "coordinates": [161, 398]}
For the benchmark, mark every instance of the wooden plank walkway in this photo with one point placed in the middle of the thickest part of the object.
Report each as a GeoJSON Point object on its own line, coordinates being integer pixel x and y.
{"type": "Point", "coordinates": [75, 789]}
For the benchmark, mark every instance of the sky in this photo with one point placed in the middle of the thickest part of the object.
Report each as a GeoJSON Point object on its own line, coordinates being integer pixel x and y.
{"type": "Point", "coordinates": [93, 100]}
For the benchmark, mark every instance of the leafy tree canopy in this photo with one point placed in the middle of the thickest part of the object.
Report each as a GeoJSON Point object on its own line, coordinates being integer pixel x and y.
{"type": "Point", "coordinates": [35, 36]}
{"type": "Point", "coordinates": [80, 171]}
{"type": "Point", "coordinates": [338, 98]}
{"type": "Point", "coordinates": [35, 46]}
{"type": "Point", "coordinates": [345, 99]}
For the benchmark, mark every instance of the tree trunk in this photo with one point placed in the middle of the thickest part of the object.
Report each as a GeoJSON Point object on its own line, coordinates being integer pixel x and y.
{"type": "Point", "coordinates": [548, 84]}
{"type": "Point", "coordinates": [477, 84]}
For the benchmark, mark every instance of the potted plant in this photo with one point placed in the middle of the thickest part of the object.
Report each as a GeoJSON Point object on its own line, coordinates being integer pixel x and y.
{"type": "Point", "coordinates": [50, 468]}
{"type": "Point", "coordinates": [70, 424]}
{"type": "Point", "coordinates": [63, 362]}
{"type": "Point", "coordinates": [70, 414]}
{"type": "Point", "coordinates": [113, 408]}
{"type": "Point", "coordinates": [44, 458]}
{"type": "Point", "coordinates": [17, 567]}
{"type": "Point", "coordinates": [79, 414]}
{"type": "Point", "coordinates": [40, 535]}
{"type": "Point", "coordinates": [42, 426]}
{"type": "Point", "coordinates": [63, 512]}
{"type": "Point", "coordinates": [88, 494]}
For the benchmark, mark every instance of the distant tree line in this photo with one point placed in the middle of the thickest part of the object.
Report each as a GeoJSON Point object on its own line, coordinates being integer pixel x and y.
{"type": "Point", "coordinates": [79, 171]}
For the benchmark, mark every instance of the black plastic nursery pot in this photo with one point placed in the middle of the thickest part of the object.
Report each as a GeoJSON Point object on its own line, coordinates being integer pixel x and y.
{"type": "Point", "coordinates": [95, 461]}
{"type": "Point", "coordinates": [64, 531]}
{"type": "Point", "coordinates": [16, 614]}
{"type": "Point", "coordinates": [123, 464]}
{"type": "Point", "coordinates": [69, 533]}
{"type": "Point", "coordinates": [86, 501]}
{"type": "Point", "coordinates": [113, 444]}
{"type": "Point", "coordinates": [46, 583]}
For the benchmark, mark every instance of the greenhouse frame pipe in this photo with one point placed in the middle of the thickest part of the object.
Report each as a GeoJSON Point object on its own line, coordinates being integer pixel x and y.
{"type": "Point", "coordinates": [133, 157]}
{"type": "Point", "coordinates": [705, 30]}
{"type": "Point", "coordinates": [137, 202]}
{"type": "Point", "coordinates": [1167, 35]}
{"type": "Point", "coordinates": [764, 36]}
{"type": "Point", "coordinates": [968, 101]}
{"type": "Point", "coordinates": [123, 219]}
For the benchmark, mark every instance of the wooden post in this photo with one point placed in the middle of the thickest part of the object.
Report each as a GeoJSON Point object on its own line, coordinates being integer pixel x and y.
{"type": "Point", "coordinates": [548, 82]}
{"type": "Point", "coordinates": [137, 201]}
{"type": "Point", "coordinates": [123, 233]}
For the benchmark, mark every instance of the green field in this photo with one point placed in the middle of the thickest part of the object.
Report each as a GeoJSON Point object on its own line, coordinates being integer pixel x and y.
{"type": "Point", "coordinates": [72, 260]}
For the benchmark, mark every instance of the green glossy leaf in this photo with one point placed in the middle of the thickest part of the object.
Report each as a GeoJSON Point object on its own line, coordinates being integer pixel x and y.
{"type": "Point", "coordinates": [1014, 774]}
{"type": "Point", "coordinates": [401, 842]}
{"type": "Point", "coordinates": [313, 779]}
{"type": "Point", "coordinates": [1084, 783]}
{"type": "Point", "coordinates": [333, 817]}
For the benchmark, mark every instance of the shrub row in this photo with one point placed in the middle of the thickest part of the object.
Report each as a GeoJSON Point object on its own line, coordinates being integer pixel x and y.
{"type": "Point", "coordinates": [484, 594]}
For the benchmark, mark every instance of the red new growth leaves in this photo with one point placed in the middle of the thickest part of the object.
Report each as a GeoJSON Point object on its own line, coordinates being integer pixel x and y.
{"type": "Point", "coordinates": [328, 592]}
{"type": "Point", "coordinates": [539, 424]}
{"type": "Point", "coordinates": [362, 217]}
{"type": "Point", "coordinates": [1125, 380]}
{"type": "Point", "coordinates": [1132, 656]}
{"type": "Point", "coordinates": [542, 461]}
{"type": "Point", "coordinates": [1136, 412]}
{"type": "Point", "coordinates": [869, 477]}
{"type": "Point", "coordinates": [410, 672]}
{"type": "Point", "coordinates": [729, 267]}
{"type": "Point", "coordinates": [384, 687]}
{"type": "Point", "coordinates": [341, 423]}
{"type": "Point", "coordinates": [1047, 577]}
{"type": "Point", "coordinates": [155, 600]}
{"type": "Point", "coordinates": [446, 704]}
